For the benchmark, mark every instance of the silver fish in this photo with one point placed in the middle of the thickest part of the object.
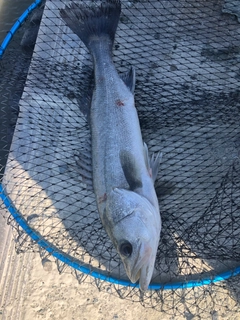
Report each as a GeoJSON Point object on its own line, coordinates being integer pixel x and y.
{"type": "Point", "coordinates": [123, 174]}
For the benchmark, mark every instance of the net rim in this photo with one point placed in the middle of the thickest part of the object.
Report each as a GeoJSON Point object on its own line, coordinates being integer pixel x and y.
{"type": "Point", "coordinates": [67, 259]}
{"type": "Point", "coordinates": [16, 26]}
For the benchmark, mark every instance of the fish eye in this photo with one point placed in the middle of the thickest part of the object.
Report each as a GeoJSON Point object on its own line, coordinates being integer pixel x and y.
{"type": "Point", "coordinates": [126, 249]}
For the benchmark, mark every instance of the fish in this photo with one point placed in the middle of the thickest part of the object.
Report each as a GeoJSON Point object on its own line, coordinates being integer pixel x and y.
{"type": "Point", "coordinates": [123, 173]}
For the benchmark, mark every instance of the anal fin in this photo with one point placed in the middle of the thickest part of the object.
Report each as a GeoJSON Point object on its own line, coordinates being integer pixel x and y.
{"type": "Point", "coordinates": [84, 103]}
{"type": "Point", "coordinates": [80, 167]}
{"type": "Point", "coordinates": [84, 165]}
{"type": "Point", "coordinates": [85, 98]}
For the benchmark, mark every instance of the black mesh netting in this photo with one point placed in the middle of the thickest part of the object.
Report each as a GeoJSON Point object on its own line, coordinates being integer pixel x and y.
{"type": "Point", "coordinates": [187, 59]}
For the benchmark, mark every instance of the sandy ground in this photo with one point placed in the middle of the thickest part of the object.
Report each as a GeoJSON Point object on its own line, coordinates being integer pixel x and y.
{"type": "Point", "coordinates": [30, 291]}
{"type": "Point", "coordinates": [49, 295]}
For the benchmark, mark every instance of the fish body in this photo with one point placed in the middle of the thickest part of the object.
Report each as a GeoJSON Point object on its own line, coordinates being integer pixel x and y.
{"type": "Point", "coordinates": [122, 172]}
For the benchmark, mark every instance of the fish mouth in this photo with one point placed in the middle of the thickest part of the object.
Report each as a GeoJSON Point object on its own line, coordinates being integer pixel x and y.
{"type": "Point", "coordinates": [142, 270]}
{"type": "Point", "coordinates": [145, 277]}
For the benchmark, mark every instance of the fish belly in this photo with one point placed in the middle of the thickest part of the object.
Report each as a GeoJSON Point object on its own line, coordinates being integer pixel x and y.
{"type": "Point", "coordinates": [115, 128]}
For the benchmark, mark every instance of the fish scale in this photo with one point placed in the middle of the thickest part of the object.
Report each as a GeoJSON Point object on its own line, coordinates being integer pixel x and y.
{"type": "Point", "coordinates": [122, 173]}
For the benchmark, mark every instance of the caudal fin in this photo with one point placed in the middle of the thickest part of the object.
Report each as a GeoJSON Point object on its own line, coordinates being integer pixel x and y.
{"type": "Point", "coordinates": [93, 22]}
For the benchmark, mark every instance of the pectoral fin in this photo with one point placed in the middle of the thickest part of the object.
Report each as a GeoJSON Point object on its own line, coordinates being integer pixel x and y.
{"type": "Point", "coordinates": [130, 170]}
{"type": "Point", "coordinates": [152, 163]}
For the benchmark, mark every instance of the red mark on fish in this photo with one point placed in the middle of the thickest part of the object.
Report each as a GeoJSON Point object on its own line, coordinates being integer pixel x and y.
{"type": "Point", "coordinates": [119, 103]}
{"type": "Point", "coordinates": [102, 198]}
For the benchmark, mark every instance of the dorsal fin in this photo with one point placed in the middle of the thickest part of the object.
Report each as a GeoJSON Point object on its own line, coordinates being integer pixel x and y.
{"type": "Point", "coordinates": [129, 79]}
{"type": "Point", "coordinates": [152, 163]}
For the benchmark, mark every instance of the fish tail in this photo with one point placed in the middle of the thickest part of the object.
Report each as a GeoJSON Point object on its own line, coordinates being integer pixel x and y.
{"type": "Point", "coordinates": [93, 23]}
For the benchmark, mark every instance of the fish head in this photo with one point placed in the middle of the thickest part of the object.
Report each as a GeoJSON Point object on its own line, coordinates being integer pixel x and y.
{"type": "Point", "coordinates": [135, 232]}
